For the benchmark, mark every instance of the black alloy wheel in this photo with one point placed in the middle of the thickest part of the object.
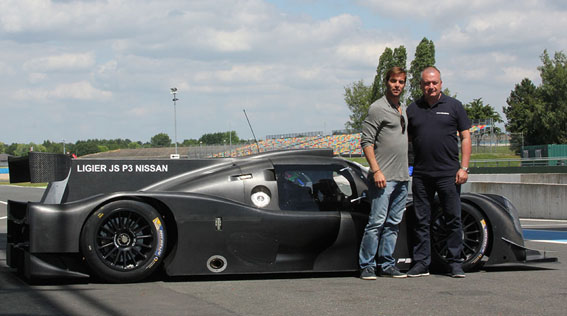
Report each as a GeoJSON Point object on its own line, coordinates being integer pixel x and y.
{"type": "Point", "coordinates": [124, 241]}
{"type": "Point", "coordinates": [476, 237]}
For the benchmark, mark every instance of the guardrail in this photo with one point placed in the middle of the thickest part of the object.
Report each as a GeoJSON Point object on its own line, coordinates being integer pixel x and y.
{"type": "Point", "coordinates": [519, 162]}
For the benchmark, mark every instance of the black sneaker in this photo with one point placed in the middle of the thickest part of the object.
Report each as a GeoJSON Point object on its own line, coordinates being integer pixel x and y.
{"type": "Point", "coordinates": [457, 272]}
{"type": "Point", "coordinates": [418, 270]}
{"type": "Point", "coordinates": [368, 273]}
{"type": "Point", "coordinates": [392, 272]}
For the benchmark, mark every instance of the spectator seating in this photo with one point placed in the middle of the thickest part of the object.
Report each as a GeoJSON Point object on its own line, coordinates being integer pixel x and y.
{"type": "Point", "coordinates": [344, 144]}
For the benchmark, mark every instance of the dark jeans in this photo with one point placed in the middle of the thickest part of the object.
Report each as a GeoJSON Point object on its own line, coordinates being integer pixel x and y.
{"type": "Point", "coordinates": [424, 189]}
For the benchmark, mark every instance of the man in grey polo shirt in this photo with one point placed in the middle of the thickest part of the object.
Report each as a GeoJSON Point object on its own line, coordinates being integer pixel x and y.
{"type": "Point", "coordinates": [385, 144]}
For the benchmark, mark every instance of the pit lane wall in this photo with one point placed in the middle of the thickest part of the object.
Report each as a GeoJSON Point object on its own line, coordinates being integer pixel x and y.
{"type": "Point", "coordinates": [535, 195]}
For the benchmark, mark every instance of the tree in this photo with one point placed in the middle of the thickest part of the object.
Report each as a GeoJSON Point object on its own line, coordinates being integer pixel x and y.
{"type": "Point", "coordinates": [219, 138]}
{"type": "Point", "coordinates": [22, 150]}
{"type": "Point", "coordinates": [477, 111]}
{"type": "Point", "coordinates": [424, 57]}
{"type": "Point", "coordinates": [53, 147]}
{"type": "Point", "coordinates": [447, 92]}
{"type": "Point", "coordinates": [357, 98]}
{"type": "Point", "coordinates": [400, 57]}
{"type": "Point", "coordinates": [539, 114]}
{"type": "Point", "coordinates": [189, 142]}
{"type": "Point", "coordinates": [523, 114]}
{"type": "Point", "coordinates": [135, 145]}
{"type": "Point", "coordinates": [86, 147]}
{"type": "Point", "coordinates": [553, 90]}
{"type": "Point", "coordinates": [388, 59]}
{"type": "Point", "coordinates": [160, 140]}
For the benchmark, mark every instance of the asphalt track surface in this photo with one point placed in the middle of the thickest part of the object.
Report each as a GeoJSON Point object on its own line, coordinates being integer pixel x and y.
{"type": "Point", "coordinates": [513, 290]}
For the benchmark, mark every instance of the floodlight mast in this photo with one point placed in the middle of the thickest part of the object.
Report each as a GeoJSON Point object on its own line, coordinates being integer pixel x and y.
{"type": "Point", "coordinates": [175, 99]}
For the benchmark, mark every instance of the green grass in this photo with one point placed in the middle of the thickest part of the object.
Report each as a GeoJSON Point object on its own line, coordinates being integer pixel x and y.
{"type": "Point", "coordinates": [497, 154]}
{"type": "Point", "coordinates": [25, 184]}
{"type": "Point", "coordinates": [360, 160]}
{"type": "Point", "coordinates": [493, 156]}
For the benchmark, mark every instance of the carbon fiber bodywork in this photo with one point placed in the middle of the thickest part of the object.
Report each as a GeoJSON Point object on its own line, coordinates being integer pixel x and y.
{"type": "Point", "coordinates": [267, 213]}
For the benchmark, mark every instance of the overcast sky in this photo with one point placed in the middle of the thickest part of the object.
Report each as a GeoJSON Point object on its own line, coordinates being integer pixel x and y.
{"type": "Point", "coordinates": [77, 70]}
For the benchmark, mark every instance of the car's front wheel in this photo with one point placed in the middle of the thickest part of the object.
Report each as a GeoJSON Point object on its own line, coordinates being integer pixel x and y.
{"type": "Point", "coordinates": [476, 237]}
{"type": "Point", "coordinates": [124, 241]}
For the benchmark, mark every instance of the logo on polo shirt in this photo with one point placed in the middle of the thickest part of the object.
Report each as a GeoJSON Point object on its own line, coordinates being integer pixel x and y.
{"type": "Point", "coordinates": [443, 113]}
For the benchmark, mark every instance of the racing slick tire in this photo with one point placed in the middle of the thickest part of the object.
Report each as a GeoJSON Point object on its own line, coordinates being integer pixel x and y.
{"type": "Point", "coordinates": [124, 241]}
{"type": "Point", "coordinates": [476, 238]}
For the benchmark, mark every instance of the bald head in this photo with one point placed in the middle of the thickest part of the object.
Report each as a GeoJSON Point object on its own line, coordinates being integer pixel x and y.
{"type": "Point", "coordinates": [431, 84]}
{"type": "Point", "coordinates": [431, 70]}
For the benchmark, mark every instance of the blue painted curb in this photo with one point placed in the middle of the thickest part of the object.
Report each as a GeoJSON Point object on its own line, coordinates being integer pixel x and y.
{"type": "Point", "coordinates": [551, 235]}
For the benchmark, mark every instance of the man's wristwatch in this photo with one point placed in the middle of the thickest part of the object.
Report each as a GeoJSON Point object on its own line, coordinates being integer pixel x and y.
{"type": "Point", "coordinates": [466, 169]}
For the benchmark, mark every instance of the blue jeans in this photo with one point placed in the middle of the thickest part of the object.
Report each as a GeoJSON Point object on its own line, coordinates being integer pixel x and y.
{"type": "Point", "coordinates": [381, 232]}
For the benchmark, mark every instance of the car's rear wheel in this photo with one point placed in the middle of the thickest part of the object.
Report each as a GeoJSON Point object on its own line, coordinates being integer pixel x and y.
{"type": "Point", "coordinates": [476, 238]}
{"type": "Point", "coordinates": [124, 241]}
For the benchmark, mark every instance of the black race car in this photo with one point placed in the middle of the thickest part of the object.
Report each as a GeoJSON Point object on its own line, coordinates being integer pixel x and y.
{"type": "Point", "coordinates": [275, 212]}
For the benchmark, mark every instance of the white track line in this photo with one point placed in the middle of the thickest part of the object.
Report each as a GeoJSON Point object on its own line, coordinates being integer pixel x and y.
{"type": "Point", "coordinates": [543, 220]}
{"type": "Point", "coordinates": [3, 217]}
{"type": "Point", "coordinates": [561, 241]}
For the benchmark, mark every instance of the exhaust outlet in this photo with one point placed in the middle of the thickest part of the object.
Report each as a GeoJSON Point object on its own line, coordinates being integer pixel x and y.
{"type": "Point", "coordinates": [216, 264]}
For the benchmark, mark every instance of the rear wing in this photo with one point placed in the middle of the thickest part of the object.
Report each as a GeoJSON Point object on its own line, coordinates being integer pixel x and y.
{"type": "Point", "coordinates": [39, 167]}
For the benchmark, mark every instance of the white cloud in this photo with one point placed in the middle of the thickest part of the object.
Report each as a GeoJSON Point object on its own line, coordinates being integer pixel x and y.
{"type": "Point", "coordinates": [78, 90]}
{"type": "Point", "coordinates": [36, 77]}
{"type": "Point", "coordinates": [140, 111]}
{"type": "Point", "coordinates": [515, 74]}
{"type": "Point", "coordinates": [108, 67]}
{"type": "Point", "coordinates": [449, 9]}
{"type": "Point", "coordinates": [63, 62]}
{"type": "Point", "coordinates": [236, 74]}
{"type": "Point", "coordinates": [5, 69]}
{"type": "Point", "coordinates": [234, 41]}
{"type": "Point", "coordinates": [41, 15]}
{"type": "Point", "coordinates": [484, 24]}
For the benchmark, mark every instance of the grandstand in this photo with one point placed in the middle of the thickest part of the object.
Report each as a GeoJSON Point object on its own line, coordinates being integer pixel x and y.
{"type": "Point", "coordinates": [344, 144]}
{"type": "Point", "coordinates": [479, 128]}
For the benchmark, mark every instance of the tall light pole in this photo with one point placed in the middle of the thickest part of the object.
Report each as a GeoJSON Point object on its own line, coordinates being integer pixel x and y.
{"type": "Point", "coordinates": [175, 99]}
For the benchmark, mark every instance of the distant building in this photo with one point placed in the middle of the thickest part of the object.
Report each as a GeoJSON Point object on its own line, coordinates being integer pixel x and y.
{"type": "Point", "coordinates": [4, 160]}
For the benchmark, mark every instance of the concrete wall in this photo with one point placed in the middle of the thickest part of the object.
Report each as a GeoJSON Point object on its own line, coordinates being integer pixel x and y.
{"type": "Point", "coordinates": [534, 195]}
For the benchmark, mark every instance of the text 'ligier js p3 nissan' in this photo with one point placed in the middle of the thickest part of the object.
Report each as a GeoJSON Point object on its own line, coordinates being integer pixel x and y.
{"type": "Point", "coordinates": [275, 212]}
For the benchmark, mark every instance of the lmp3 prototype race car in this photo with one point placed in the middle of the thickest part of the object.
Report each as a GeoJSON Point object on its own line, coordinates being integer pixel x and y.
{"type": "Point", "coordinates": [274, 212]}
